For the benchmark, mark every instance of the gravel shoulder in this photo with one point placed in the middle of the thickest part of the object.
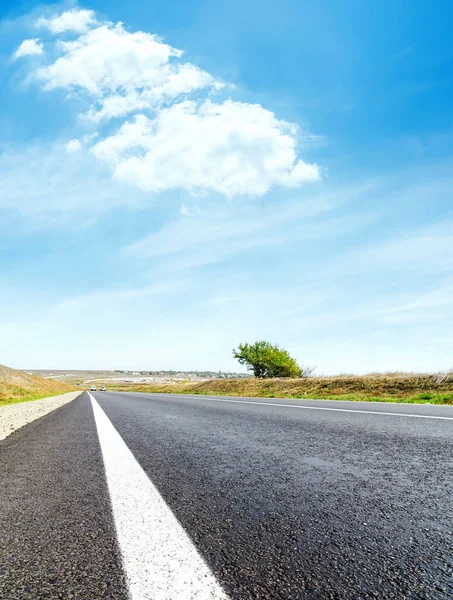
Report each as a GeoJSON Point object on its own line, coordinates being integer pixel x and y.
{"type": "Point", "coordinates": [14, 416]}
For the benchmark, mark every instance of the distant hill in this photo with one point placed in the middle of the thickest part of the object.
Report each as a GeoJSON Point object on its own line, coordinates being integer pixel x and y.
{"type": "Point", "coordinates": [17, 386]}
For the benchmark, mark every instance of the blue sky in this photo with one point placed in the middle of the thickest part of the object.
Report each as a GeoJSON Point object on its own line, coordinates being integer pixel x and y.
{"type": "Point", "coordinates": [181, 177]}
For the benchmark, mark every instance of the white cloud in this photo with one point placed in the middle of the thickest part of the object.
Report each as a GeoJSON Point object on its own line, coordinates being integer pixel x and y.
{"type": "Point", "coordinates": [73, 146]}
{"type": "Point", "coordinates": [182, 135]}
{"type": "Point", "coordinates": [230, 148]}
{"type": "Point", "coordinates": [75, 20]}
{"type": "Point", "coordinates": [163, 85]}
{"type": "Point", "coordinates": [29, 48]}
{"type": "Point", "coordinates": [123, 72]}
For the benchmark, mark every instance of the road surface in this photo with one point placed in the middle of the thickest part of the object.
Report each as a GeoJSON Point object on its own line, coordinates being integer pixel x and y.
{"type": "Point", "coordinates": [164, 497]}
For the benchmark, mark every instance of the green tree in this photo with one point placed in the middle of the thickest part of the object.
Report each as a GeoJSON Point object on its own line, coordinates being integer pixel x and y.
{"type": "Point", "coordinates": [267, 360]}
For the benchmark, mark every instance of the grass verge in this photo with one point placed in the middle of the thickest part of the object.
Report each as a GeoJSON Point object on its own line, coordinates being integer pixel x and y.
{"type": "Point", "coordinates": [412, 389]}
{"type": "Point", "coordinates": [31, 397]}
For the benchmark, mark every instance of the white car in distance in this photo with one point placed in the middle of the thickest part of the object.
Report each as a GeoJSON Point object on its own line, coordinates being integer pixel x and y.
{"type": "Point", "coordinates": [93, 388]}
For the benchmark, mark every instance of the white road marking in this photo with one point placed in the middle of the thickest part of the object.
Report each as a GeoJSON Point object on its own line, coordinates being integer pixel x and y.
{"type": "Point", "coordinates": [348, 410]}
{"type": "Point", "coordinates": [160, 560]}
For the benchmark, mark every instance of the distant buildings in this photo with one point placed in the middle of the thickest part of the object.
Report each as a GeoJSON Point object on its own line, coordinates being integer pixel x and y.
{"type": "Point", "coordinates": [184, 375]}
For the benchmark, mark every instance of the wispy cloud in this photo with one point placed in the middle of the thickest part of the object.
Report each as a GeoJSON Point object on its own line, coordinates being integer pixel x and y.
{"type": "Point", "coordinates": [435, 305]}
{"type": "Point", "coordinates": [53, 183]}
{"type": "Point", "coordinates": [188, 211]}
{"type": "Point", "coordinates": [219, 233]}
{"type": "Point", "coordinates": [422, 249]}
{"type": "Point", "coordinates": [318, 328]}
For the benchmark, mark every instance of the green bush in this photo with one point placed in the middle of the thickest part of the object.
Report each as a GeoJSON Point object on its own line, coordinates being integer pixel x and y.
{"type": "Point", "coordinates": [267, 360]}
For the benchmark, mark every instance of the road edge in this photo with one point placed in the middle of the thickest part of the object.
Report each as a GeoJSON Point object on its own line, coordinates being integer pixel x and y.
{"type": "Point", "coordinates": [15, 416]}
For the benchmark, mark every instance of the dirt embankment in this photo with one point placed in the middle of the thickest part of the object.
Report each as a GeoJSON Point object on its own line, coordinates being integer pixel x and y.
{"type": "Point", "coordinates": [17, 386]}
{"type": "Point", "coordinates": [387, 388]}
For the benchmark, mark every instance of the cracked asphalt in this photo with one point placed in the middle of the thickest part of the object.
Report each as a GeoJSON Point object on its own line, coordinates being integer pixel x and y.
{"type": "Point", "coordinates": [282, 503]}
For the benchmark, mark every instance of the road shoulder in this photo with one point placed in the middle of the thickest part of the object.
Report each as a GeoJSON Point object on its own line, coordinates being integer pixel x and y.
{"type": "Point", "coordinates": [15, 416]}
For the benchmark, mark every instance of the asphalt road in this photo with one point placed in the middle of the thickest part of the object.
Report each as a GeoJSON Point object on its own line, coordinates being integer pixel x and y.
{"type": "Point", "coordinates": [278, 499]}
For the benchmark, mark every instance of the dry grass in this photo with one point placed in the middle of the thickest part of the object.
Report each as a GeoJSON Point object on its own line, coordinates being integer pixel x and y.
{"type": "Point", "coordinates": [392, 387]}
{"type": "Point", "coordinates": [16, 386]}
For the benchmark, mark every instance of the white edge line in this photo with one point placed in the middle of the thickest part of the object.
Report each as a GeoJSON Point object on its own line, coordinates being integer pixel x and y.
{"type": "Point", "coordinates": [159, 559]}
{"type": "Point", "coordinates": [348, 410]}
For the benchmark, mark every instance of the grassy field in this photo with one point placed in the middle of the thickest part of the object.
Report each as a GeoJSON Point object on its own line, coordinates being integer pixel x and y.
{"type": "Point", "coordinates": [16, 386]}
{"type": "Point", "coordinates": [398, 387]}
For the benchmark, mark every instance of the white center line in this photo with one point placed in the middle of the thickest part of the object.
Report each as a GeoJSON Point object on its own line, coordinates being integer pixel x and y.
{"type": "Point", "coordinates": [347, 410]}
{"type": "Point", "coordinates": [160, 560]}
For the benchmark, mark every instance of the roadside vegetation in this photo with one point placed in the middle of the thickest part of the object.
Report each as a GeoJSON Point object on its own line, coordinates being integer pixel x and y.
{"type": "Point", "coordinates": [391, 387]}
{"type": "Point", "coordinates": [17, 386]}
{"type": "Point", "coordinates": [277, 375]}
{"type": "Point", "coordinates": [267, 360]}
